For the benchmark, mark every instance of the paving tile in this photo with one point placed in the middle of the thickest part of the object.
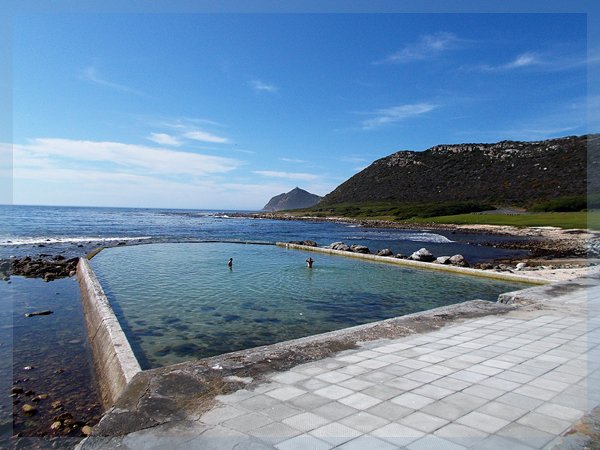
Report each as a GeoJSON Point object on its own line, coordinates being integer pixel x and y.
{"type": "Point", "coordinates": [497, 363]}
{"type": "Point", "coordinates": [515, 377]}
{"type": "Point", "coordinates": [551, 385]}
{"type": "Point", "coordinates": [367, 442]}
{"type": "Point", "coordinates": [258, 402]}
{"type": "Point", "coordinates": [311, 370]}
{"type": "Point", "coordinates": [372, 364]}
{"type": "Point", "coordinates": [248, 422]}
{"type": "Point", "coordinates": [413, 401]}
{"type": "Point", "coordinates": [545, 423]}
{"type": "Point", "coordinates": [306, 421]}
{"type": "Point", "coordinates": [423, 421]}
{"type": "Point", "coordinates": [560, 412]}
{"type": "Point", "coordinates": [485, 370]}
{"type": "Point", "coordinates": [535, 392]}
{"type": "Point", "coordinates": [312, 384]}
{"type": "Point", "coordinates": [356, 384]}
{"type": "Point", "coordinates": [391, 359]}
{"type": "Point", "coordinates": [483, 422]}
{"type": "Point", "coordinates": [274, 433]}
{"type": "Point", "coordinates": [461, 434]}
{"type": "Point", "coordinates": [499, 383]}
{"type": "Point", "coordinates": [235, 397]}
{"type": "Point", "coordinates": [413, 364]}
{"type": "Point", "coordinates": [352, 358]}
{"type": "Point", "coordinates": [397, 434]}
{"type": "Point", "coordinates": [378, 376]}
{"type": "Point", "coordinates": [431, 442]}
{"type": "Point", "coordinates": [422, 376]}
{"type": "Point", "coordinates": [432, 391]}
{"type": "Point", "coordinates": [334, 411]}
{"type": "Point", "coordinates": [526, 435]}
{"type": "Point", "coordinates": [353, 370]}
{"type": "Point", "coordinates": [333, 376]}
{"type": "Point", "coordinates": [382, 392]}
{"type": "Point", "coordinates": [334, 392]}
{"type": "Point", "coordinates": [285, 393]}
{"type": "Point", "coordinates": [445, 410]}
{"type": "Point", "coordinates": [216, 438]}
{"type": "Point", "coordinates": [404, 384]}
{"type": "Point", "coordinates": [502, 410]}
{"type": "Point", "coordinates": [389, 411]}
{"type": "Point", "coordinates": [396, 370]}
{"type": "Point", "coordinates": [335, 433]}
{"type": "Point", "coordinates": [221, 414]}
{"type": "Point", "coordinates": [303, 442]}
{"type": "Point", "coordinates": [308, 401]}
{"type": "Point", "coordinates": [486, 392]}
{"type": "Point", "coordinates": [364, 421]}
{"type": "Point", "coordinates": [451, 383]}
{"type": "Point", "coordinates": [467, 375]}
{"type": "Point", "coordinates": [466, 400]}
{"type": "Point", "coordinates": [280, 411]}
{"type": "Point", "coordinates": [289, 377]}
{"type": "Point", "coordinates": [360, 401]}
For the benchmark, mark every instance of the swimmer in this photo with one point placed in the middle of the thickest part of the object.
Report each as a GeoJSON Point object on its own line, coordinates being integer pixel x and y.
{"type": "Point", "coordinates": [309, 262]}
{"type": "Point", "coordinates": [230, 263]}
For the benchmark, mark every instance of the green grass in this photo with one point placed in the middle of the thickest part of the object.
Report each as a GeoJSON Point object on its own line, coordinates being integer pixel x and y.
{"type": "Point", "coordinates": [554, 219]}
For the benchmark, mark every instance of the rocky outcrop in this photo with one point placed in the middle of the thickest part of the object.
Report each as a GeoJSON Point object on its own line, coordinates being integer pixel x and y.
{"type": "Point", "coordinates": [47, 268]}
{"type": "Point", "coordinates": [385, 252]}
{"type": "Point", "coordinates": [295, 199]}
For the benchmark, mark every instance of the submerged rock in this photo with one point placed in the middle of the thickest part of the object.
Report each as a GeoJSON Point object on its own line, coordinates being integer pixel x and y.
{"type": "Point", "coordinates": [39, 313]}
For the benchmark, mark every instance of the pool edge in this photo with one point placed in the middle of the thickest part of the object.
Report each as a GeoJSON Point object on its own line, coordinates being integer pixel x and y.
{"type": "Point", "coordinates": [419, 264]}
{"type": "Point", "coordinates": [114, 360]}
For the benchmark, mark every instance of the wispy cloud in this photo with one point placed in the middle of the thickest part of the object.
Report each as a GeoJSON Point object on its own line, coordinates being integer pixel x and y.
{"type": "Point", "coordinates": [287, 175]}
{"type": "Point", "coordinates": [260, 86]}
{"type": "Point", "coordinates": [292, 160]}
{"type": "Point", "coordinates": [393, 114]}
{"type": "Point", "coordinates": [119, 157]}
{"type": "Point", "coordinates": [164, 139]}
{"type": "Point", "coordinates": [204, 136]}
{"type": "Point", "coordinates": [91, 74]}
{"type": "Point", "coordinates": [427, 47]}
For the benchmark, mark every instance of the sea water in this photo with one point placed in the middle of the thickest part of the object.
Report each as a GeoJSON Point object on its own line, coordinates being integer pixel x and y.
{"type": "Point", "coordinates": [178, 302]}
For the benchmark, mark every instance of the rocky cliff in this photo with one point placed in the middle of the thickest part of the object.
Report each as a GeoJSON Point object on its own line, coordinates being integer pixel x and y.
{"type": "Point", "coordinates": [507, 172]}
{"type": "Point", "coordinates": [295, 199]}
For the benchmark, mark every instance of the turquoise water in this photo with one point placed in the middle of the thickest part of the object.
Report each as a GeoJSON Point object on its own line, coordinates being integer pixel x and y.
{"type": "Point", "coordinates": [178, 302]}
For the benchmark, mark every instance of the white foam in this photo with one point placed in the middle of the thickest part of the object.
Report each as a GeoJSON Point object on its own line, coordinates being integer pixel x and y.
{"type": "Point", "coordinates": [65, 240]}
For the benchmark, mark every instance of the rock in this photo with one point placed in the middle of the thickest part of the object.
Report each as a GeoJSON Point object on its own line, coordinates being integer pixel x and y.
{"type": "Point", "coordinates": [340, 246]}
{"type": "Point", "coordinates": [16, 390]}
{"type": "Point", "coordinates": [87, 430]}
{"type": "Point", "coordinates": [400, 256]}
{"type": "Point", "coordinates": [307, 243]}
{"type": "Point", "coordinates": [423, 255]}
{"type": "Point", "coordinates": [442, 260]}
{"type": "Point", "coordinates": [28, 368]}
{"type": "Point", "coordinates": [56, 425]}
{"type": "Point", "coordinates": [29, 409]}
{"type": "Point", "coordinates": [56, 404]}
{"type": "Point", "coordinates": [39, 313]}
{"type": "Point", "coordinates": [385, 252]}
{"type": "Point", "coordinates": [360, 249]}
{"type": "Point", "coordinates": [521, 266]}
{"type": "Point", "coordinates": [39, 397]}
{"type": "Point", "coordinates": [459, 260]}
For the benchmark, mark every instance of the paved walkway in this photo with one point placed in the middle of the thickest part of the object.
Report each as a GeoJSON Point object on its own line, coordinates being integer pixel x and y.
{"type": "Point", "coordinates": [513, 381]}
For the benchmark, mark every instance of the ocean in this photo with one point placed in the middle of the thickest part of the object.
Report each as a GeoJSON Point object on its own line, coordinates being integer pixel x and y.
{"type": "Point", "coordinates": [73, 231]}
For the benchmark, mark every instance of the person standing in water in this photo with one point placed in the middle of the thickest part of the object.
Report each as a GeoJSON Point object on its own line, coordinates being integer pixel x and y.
{"type": "Point", "coordinates": [309, 262]}
{"type": "Point", "coordinates": [230, 263]}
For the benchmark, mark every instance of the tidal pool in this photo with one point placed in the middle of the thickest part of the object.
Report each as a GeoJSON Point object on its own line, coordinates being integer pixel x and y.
{"type": "Point", "coordinates": [178, 302]}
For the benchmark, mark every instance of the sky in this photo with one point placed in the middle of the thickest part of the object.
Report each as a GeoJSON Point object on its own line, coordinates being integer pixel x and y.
{"type": "Point", "coordinates": [224, 111]}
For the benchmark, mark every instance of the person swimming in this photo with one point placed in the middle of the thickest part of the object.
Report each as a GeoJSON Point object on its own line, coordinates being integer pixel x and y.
{"type": "Point", "coordinates": [309, 262]}
{"type": "Point", "coordinates": [230, 263]}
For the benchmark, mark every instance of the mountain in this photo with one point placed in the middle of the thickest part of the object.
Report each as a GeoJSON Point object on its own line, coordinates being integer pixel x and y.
{"type": "Point", "coordinates": [504, 173]}
{"type": "Point", "coordinates": [295, 199]}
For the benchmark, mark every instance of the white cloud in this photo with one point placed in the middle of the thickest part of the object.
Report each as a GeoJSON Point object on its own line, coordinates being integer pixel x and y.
{"type": "Point", "coordinates": [203, 136]}
{"type": "Point", "coordinates": [116, 156]}
{"type": "Point", "coordinates": [164, 139]}
{"type": "Point", "coordinates": [427, 47]}
{"type": "Point", "coordinates": [91, 74]}
{"type": "Point", "coordinates": [260, 86]}
{"type": "Point", "coordinates": [287, 175]}
{"type": "Point", "coordinates": [292, 160]}
{"type": "Point", "coordinates": [524, 60]}
{"type": "Point", "coordinates": [393, 114]}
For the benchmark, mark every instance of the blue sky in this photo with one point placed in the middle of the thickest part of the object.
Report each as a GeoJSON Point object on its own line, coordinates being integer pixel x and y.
{"type": "Point", "coordinates": [223, 111]}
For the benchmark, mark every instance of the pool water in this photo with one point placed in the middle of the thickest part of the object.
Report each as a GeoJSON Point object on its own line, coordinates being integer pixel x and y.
{"type": "Point", "coordinates": [178, 302]}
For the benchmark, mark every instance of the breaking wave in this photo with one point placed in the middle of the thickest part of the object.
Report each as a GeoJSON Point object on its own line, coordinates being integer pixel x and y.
{"type": "Point", "coordinates": [66, 240]}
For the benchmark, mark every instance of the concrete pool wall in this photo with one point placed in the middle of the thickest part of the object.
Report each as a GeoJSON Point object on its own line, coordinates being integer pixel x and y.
{"type": "Point", "coordinates": [114, 360]}
{"type": "Point", "coordinates": [116, 364]}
